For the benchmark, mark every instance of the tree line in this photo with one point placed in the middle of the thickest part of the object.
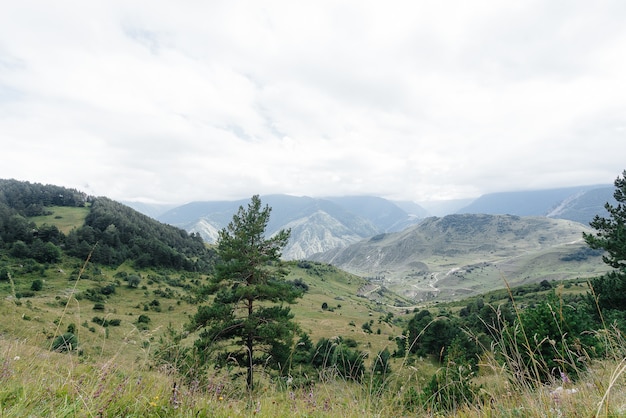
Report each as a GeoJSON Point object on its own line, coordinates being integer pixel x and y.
{"type": "Point", "coordinates": [112, 232]}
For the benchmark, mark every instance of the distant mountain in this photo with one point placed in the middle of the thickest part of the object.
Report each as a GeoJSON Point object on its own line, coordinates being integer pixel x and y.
{"type": "Point", "coordinates": [386, 215]}
{"type": "Point", "coordinates": [584, 206]}
{"type": "Point", "coordinates": [317, 225]}
{"type": "Point", "coordinates": [438, 257]}
{"type": "Point", "coordinates": [578, 204]}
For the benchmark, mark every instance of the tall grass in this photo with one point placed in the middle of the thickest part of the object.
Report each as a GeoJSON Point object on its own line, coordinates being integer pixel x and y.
{"type": "Point", "coordinates": [508, 381]}
{"type": "Point", "coordinates": [38, 382]}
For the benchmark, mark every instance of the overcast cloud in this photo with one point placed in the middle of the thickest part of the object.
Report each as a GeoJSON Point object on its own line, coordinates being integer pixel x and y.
{"type": "Point", "coordinates": [165, 101]}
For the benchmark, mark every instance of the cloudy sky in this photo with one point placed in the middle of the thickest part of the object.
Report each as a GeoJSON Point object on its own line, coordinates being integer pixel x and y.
{"type": "Point", "coordinates": [164, 101]}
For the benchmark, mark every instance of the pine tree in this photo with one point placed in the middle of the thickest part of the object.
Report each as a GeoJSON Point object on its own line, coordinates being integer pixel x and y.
{"type": "Point", "coordinates": [247, 320]}
{"type": "Point", "coordinates": [610, 235]}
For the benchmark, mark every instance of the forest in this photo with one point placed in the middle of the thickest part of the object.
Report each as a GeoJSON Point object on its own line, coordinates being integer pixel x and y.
{"type": "Point", "coordinates": [112, 233]}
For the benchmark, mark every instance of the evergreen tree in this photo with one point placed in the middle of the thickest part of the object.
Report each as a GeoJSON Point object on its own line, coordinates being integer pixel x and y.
{"type": "Point", "coordinates": [611, 232]}
{"type": "Point", "coordinates": [246, 320]}
{"type": "Point", "coordinates": [610, 235]}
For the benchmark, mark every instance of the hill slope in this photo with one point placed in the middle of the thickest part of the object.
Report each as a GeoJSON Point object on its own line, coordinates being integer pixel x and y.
{"type": "Point", "coordinates": [42, 221]}
{"type": "Point", "coordinates": [467, 254]}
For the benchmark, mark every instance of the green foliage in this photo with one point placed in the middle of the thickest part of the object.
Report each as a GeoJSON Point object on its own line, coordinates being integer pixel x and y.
{"type": "Point", "coordinates": [610, 232]}
{"type": "Point", "coordinates": [106, 322]}
{"type": "Point", "coordinates": [143, 319]}
{"type": "Point", "coordinates": [30, 199]}
{"type": "Point", "coordinates": [334, 355]}
{"type": "Point", "coordinates": [65, 342]}
{"type": "Point", "coordinates": [246, 320]}
{"type": "Point", "coordinates": [133, 280]}
{"type": "Point", "coordinates": [36, 285]}
{"type": "Point", "coordinates": [123, 233]}
{"type": "Point", "coordinates": [381, 367]}
{"type": "Point", "coordinates": [450, 388]}
{"type": "Point", "coordinates": [428, 335]}
{"type": "Point", "coordinates": [549, 338]}
{"type": "Point", "coordinates": [608, 292]}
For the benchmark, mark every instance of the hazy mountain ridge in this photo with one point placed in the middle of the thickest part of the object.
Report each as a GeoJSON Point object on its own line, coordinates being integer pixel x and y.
{"type": "Point", "coordinates": [344, 220]}
{"type": "Point", "coordinates": [579, 204]}
{"type": "Point", "coordinates": [317, 225]}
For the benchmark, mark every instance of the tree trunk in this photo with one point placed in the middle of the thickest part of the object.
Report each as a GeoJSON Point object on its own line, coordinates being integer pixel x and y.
{"type": "Point", "coordinates": [249, 345]}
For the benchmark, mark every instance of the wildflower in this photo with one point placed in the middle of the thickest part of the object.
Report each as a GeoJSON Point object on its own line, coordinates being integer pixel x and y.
{"type": "Point", "coordinates": [565, 378]}
{"type": "Point", "coordinates": [16, 358]}
{"type": "Point", "coordinates": [221, 398]}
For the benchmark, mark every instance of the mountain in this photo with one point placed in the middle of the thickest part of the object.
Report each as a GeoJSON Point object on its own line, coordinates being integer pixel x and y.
{"type": "Point", "coordinates": [578, 204]}
{"type": "Point", "coordinates": [584, 206]}
{"type": "Point", "coordinates": [387, 216]}
{"type": "Point", "coordinates": [469, 254]}
{"type": "Point", "coordinates": [317, 225]}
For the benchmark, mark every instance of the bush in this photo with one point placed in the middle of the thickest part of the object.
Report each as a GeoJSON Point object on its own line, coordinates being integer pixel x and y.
{"type": "Point", "coordinates": [65, 342]}
{"type": "Point", "coordinates": [143, 319]}
{"type": "Point", "coordinates": [36, 285]}
{"type": "Point", "coordinates": [108, 289]}
{"type": "Point", "coordinates": [450, 388]}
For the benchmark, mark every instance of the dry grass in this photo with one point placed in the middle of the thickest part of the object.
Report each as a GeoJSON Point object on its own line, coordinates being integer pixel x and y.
{"type": "Point", "coordinates": [37, 382]}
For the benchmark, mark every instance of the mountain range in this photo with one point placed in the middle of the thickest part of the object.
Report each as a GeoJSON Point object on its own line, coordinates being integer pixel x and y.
{"type": "Point", "coordinates": [316, 224]}
{"type": "Point", "coordinates": [323, 224]}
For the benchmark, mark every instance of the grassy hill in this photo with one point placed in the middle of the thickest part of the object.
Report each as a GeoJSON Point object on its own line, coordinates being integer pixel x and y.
{"type": "Point", "coordinates": [114, 371]}
{"type": "Point", "coordinates": [463, 255]}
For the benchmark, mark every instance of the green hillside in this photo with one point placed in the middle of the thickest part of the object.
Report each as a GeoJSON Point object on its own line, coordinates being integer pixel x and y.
{"type": "Point", "coordinates": [97, 304]}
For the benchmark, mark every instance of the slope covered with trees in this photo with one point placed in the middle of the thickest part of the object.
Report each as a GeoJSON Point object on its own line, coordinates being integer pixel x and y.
{"type": "Point", "coordinates": [111, 234]}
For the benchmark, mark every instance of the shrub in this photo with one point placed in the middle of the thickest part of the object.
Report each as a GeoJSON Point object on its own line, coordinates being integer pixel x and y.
{"type": "Point", "coordinates": [143, 319]}
{"type": "Point", "coordinates": [450, 388]}
{"type": "Point", "coordinates": [108, 289]}
{"type": "Point", "coordinates": [65, 342]}
{"type": "Point", "coordinates": [36, 285]}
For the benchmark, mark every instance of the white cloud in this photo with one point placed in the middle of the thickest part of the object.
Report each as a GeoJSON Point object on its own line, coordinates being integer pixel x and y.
{"type": "Point", "coordinates": [411, 100]}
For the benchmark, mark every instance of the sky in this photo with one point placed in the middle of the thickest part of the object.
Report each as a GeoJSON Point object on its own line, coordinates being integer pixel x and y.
{"type": "Point", "coordinates": [171, 102]}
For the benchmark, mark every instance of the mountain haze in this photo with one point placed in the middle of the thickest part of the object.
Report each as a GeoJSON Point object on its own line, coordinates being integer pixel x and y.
{"type": "Point", "coordinates": [317, 225]}
{"type": "Point", "coordinates": [578, 204]}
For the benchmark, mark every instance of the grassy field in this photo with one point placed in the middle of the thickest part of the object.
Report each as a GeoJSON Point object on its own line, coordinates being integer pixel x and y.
{"type": "Point", "coordinates": [63, 217]}
{"type": "Point", "coordinates": [37, 382]}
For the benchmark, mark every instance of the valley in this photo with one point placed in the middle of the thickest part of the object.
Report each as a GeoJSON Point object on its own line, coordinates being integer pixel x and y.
{"type": "Point", "coordinates": [464, 255]}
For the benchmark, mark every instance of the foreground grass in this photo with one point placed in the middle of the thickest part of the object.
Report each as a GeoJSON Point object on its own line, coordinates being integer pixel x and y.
{"type": "Point", "coordinates": [37, 382]}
